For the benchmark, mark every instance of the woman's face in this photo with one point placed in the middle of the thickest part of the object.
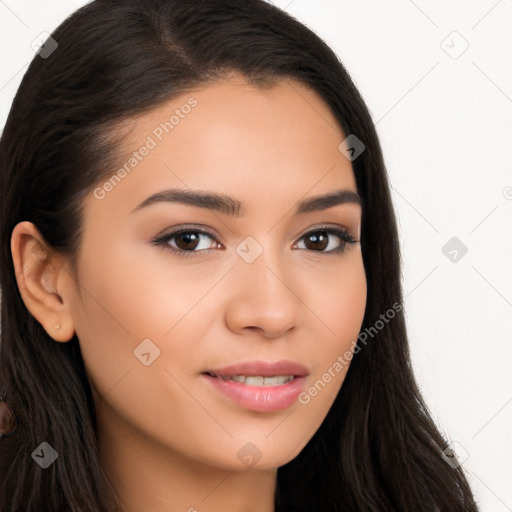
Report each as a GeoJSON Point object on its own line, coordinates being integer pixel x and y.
{"type": "Point", "coordinates": [255, 283]}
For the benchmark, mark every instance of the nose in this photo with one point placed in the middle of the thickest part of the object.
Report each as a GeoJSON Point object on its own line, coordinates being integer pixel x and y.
{"type": "Point", "coordinates": [264, 298]}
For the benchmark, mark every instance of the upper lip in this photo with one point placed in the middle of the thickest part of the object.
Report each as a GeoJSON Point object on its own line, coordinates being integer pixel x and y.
{"type": "Point", "coordinates": [261, 368]}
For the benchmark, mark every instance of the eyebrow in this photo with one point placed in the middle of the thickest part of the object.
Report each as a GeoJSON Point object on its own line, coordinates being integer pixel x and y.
{"type": "Point", "coordinates": [230, 206]}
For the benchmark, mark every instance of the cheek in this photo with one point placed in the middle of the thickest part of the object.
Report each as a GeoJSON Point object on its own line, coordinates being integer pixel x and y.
{"type": "Point", "coordinates": [143, 292]}
{"type": "Point", "coordinates": [124, 300]}
{"type": "Point", "coordinates": [339, 306]}
{"type": "Point", "coordinates": [342, 306]}
{"type": "Point", "coordinates": [342, 302]}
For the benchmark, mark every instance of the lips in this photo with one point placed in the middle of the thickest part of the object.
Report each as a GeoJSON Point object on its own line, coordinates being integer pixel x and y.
{"type": "Point", "coordinates": [261, 369]}
{"type": "Point", "coordinates": [262, 386]}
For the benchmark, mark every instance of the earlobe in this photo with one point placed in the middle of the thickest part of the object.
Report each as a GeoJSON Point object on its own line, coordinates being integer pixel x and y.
{"type": "Point", "coordinates": [42, 281]}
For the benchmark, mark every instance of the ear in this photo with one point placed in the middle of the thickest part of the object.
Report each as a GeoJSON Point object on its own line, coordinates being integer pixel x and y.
{"type": "Point", "coordinates": [44, 282]}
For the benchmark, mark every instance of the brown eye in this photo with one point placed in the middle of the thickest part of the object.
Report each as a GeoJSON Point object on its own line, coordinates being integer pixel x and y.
{"type": "Point", "coordinates": [187, 241]}
{"type": "Point", "coordinates": [333, 239]}
{"type": "Point", "coordinates": [318, 240]}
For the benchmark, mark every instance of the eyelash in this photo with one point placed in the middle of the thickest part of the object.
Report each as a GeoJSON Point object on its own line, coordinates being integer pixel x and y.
{"type": "Point", "coordinates": [162, 241]}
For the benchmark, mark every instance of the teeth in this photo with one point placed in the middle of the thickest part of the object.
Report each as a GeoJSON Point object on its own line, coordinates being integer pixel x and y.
{"type": "Point", "coordinates": [260, 381]}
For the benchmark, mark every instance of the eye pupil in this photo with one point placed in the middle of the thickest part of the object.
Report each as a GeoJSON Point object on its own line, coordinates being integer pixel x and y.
{"type": "Point", "coordinates": [190, 238]}
{"type": "Point", "coordinates": [321, 238]}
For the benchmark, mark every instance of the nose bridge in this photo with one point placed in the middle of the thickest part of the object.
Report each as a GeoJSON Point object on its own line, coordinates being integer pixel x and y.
{"type": "Point", "coordinates": [261, 264]}
{"type": "Point", "coordinates": [264, 297]}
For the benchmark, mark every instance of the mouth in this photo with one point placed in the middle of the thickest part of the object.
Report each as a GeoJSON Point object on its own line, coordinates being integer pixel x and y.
{"type": "Point", "coordinates": [260, 385]}
{"type": "Point", "coordinates": [256, 380]}
{"type": "Point", "coordinates": [259, 373]}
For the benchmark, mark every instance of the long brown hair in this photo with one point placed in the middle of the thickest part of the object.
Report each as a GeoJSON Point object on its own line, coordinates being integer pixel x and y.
{"type": "Point", "coordinates": [378, 448]}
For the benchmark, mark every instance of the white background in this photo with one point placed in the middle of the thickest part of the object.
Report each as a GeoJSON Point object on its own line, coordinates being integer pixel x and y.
{"type": "Point", "coordinates": [444, 119]}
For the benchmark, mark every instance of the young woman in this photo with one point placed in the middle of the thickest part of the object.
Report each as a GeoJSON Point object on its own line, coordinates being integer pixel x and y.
{"type": "Point", "coordinates": [201, 296]}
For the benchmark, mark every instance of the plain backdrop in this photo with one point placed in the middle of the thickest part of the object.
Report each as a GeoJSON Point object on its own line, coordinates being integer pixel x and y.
{"type": "Point", "coordinates": [437, 78]}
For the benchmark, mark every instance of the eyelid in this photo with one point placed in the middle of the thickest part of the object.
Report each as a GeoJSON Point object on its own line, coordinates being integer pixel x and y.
{"type": "Point", "coordinates": [186, 227]}
{"type": "Point", "coordinates": [324, 227]}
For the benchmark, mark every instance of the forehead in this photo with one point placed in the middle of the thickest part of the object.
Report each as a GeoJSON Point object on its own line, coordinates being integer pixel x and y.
{"type": "Point", "coordinates": [283, 109]}
{"type": "Point", "coordinates": [279, 141]}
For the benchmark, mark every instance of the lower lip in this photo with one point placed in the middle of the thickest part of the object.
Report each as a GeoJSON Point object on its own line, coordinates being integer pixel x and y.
{"type": "Point", "coordinates": [259, 398]}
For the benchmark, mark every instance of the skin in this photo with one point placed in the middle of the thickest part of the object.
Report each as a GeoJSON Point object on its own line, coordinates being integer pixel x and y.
{"type": "Point", "coordinates": [168, 440]}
